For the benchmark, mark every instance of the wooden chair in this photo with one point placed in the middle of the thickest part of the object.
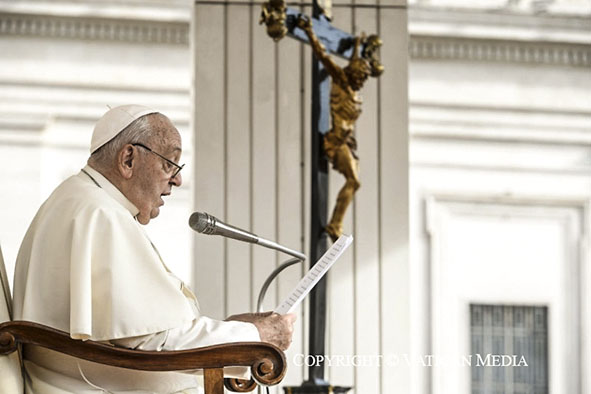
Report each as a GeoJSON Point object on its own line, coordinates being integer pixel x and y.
{"type": "Point", "coordinates": [267, 362]}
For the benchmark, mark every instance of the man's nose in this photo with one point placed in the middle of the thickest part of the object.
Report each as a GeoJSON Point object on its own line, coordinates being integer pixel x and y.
{"type": "Point", "coordinates": [177, 180]}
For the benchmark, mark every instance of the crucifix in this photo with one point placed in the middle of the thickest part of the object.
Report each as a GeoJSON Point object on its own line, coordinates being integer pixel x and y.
{"type": "Point", "coordinates": [335, 109]}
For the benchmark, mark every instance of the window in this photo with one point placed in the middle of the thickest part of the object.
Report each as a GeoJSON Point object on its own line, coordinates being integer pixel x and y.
{"type": "Point", "coordinates": [511, 332]}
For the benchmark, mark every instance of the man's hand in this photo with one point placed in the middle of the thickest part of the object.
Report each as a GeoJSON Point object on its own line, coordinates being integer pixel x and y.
{"type": "Point", "coordinates": [273, 327]}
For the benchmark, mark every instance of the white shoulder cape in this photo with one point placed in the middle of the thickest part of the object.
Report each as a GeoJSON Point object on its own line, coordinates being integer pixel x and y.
{"type": "Point", "coordinates": [87, 267]}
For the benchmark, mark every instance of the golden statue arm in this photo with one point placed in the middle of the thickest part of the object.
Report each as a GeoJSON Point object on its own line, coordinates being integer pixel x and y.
{"type": "Point", "coordinates": [333, 69]}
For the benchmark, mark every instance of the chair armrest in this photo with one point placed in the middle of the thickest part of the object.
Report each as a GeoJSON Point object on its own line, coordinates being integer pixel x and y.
{"type": "Point", "coordinates": [267, 362]}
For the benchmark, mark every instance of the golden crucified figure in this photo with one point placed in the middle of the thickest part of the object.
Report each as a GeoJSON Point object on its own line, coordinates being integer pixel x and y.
{"type": "Point", "coordinates": [345, 108]}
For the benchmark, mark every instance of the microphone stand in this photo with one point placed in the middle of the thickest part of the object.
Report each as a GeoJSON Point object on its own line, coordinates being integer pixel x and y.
{"type": "Point", "coordinates": [299, 257]}
{"type": "Point", "coordinates": [270, 279]}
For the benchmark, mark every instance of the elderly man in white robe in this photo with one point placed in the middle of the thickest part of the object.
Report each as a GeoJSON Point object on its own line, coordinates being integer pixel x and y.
{"type": "Point", "coordinates": [87, 267]}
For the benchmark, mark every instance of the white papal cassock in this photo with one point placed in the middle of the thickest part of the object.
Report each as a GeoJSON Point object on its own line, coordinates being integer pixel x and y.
{"type": "Point", "coordinates": [87, 267]}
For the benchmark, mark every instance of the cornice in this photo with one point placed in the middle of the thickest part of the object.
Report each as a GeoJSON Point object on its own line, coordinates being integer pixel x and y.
{"type": "Point", "coordinates": [500, 35]}
{"type": "Point", "coordinates": [87, 28]}
{"type": "Point", "coordinates": [494, 50]}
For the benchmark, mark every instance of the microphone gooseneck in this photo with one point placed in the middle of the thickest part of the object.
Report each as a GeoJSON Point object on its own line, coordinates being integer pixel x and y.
{"type": "Point", "coordinates": [205, 223]}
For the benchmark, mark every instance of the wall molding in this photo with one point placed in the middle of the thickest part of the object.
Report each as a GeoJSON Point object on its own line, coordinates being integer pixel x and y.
{"type": "Point", "coordinates": [541, 125]}
{"type": "Point", "coordinates": [425, 47]}
{"type": "Point", "coordinates": [85, 28]}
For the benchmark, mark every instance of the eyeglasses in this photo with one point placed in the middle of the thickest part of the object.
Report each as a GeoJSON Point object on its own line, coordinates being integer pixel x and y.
{"type": "Point", "coordinates": [171, 168]}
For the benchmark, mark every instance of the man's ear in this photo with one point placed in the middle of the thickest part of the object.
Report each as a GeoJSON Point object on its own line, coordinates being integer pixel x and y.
{"type": "Point", "coordinates": [126, 159]}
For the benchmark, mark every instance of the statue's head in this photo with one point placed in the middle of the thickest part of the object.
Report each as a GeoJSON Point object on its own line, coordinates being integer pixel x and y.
{"type": "Point", "coordinates": [357, 71]}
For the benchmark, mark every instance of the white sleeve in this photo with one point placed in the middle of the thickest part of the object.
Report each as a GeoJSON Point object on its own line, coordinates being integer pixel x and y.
{"type": "Point", "coordinates": [203, 331]}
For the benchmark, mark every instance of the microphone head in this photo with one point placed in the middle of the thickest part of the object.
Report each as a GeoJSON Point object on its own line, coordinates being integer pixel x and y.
{"type": "Point", "coordinates": [202, 222]}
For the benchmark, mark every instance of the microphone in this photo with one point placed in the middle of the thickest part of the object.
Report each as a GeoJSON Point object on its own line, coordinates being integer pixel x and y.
{"type": "Point", "coordinates": [205, 223]}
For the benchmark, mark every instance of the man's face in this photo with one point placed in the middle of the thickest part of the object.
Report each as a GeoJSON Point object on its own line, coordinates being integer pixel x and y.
{"type": "Point", "coordinates": [152, 180]}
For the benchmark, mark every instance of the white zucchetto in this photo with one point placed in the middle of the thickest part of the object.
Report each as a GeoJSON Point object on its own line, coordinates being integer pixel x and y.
{"type": "Point", "coordinates": [114, 121]}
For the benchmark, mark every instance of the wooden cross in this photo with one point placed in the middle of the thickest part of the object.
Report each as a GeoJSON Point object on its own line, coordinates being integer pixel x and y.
{"type": "Point", "coordinates": [281, 21]}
